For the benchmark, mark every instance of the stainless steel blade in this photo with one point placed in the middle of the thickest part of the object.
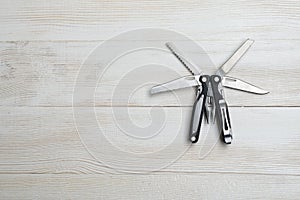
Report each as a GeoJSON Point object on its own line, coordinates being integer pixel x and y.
{"type": "Point", "coordinates": [230, 63]}
{"type": "Point", "coordinates": [183, 82]}
{"type": "Point", "coordinates": [188, 65]}
{"type": "Point", "coordinates": [238, 84]}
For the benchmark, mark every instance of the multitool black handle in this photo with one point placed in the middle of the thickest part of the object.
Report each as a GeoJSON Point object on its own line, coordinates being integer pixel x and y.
{"type": "Point", "coordinates": [221, 109]}
{"type": "Point", "coordinates": [199, 108]}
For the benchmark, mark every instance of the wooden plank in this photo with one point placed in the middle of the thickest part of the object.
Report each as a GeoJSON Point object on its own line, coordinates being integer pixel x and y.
{"type": "Point", "coordinates": [45, 140]}
{"type": "Point", "coordinates": [209, 20]}
{"type": "Point", "coordinates": [44, 74]}
{"type": "Point", "coordinates": [172, 186]}
{"type": "Point", "coordinates": [45, 154]}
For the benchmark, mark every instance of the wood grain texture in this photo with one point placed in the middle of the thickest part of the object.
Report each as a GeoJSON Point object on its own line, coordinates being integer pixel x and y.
{"type": "Point", "coordinates": [176, 186]}
{"type": "Point", "coordinates": [45, 155]}
{"type": "Point", "coordinates": [45, 140]}
{"type": "Point", "coordinates": [44, 74]}
{"type": "Point", "coordinates": [203, 20]}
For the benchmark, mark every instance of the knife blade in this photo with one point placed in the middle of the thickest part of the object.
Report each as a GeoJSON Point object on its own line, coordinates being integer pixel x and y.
{"type": "Point", "coordinates": [237, 84]}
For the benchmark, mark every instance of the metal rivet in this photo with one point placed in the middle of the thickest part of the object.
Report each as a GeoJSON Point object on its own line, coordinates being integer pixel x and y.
{"type": "Point", "coordinates": [204, 79]}
{"type": "Point", "coordinates": [193, 139]}
{"type": "Point", "coordinates": [216, 79]}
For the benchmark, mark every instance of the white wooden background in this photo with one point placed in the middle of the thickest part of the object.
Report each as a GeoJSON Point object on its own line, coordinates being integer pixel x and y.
{"type": "Point", "coordinates": [42, 45]}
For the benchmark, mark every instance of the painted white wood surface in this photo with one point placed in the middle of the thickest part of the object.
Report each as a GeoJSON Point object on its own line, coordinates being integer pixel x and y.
{"type": "Point", "coordinates": [166, 186]}
{"type": "Point", "coordinates": [94, 20]}
{"type": "Point", "coordinates": [43, 44]}
{"type": "Point", "coordinates": [44, 73]}
{"type": "Point", "coordinates": [45, 140]}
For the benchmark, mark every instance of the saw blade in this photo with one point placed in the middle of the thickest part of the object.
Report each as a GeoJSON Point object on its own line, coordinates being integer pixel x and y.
{"type": "Point", "coordinates": [188, 65]}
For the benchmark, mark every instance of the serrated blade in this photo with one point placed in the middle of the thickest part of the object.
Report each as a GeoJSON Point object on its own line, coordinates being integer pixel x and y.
{"type": "Point", "coordinates": [238, 84]}
{"type": "Point", "coordinates": [188, 65]}
{"type": "Point", "coordinates": [183, 82]}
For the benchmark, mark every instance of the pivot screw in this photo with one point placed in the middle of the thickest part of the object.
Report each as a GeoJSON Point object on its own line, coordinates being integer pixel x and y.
{"type": "Point", "coordinates": [217, 79]}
